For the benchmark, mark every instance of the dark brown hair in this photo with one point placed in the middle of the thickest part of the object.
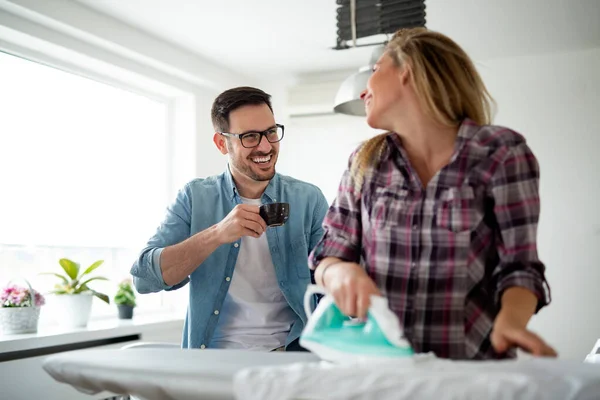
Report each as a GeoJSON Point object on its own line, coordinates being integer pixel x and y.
{"type": "Point", "coordinates": [233, 99]}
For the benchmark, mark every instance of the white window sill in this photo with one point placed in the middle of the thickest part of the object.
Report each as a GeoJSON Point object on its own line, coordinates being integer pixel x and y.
{"type": "Point", "coordinates": [96, 330]}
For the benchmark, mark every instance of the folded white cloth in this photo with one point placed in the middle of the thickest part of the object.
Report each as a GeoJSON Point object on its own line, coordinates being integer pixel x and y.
{"type": "Point", "coordinates": [422, 377]}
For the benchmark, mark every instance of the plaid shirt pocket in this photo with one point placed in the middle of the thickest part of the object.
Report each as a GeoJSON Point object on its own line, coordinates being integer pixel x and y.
{"type": "Point", "coordinates": [388, 206]}
{"type": "Point", "coordinates": [457, 210]}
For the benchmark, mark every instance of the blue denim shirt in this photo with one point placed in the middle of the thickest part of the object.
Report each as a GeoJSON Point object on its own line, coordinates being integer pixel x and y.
{"type": "Point", "coordinates": [205, 202]}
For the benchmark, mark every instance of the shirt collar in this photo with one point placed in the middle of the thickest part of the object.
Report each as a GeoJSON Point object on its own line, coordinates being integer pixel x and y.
{"type": "Point", "coordinates": [468, 128]}
{"type": "Point", "coordinates": [271, 189]}
{"type": "Point", "coordinates": [231, 189]}
{"type": "Point", "coordinates": [394, 146]}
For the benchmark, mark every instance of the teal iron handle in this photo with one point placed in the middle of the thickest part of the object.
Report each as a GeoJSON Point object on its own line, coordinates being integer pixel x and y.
{"type": "Point", "coordinates": [311, 290]}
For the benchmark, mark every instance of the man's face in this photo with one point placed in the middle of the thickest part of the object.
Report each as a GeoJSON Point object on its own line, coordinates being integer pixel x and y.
{"type": "Point", "coordinates": [257, 163]}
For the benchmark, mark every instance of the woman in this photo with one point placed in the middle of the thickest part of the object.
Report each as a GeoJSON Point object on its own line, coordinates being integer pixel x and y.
{"type": "Point", "coordinates": [440, 214]}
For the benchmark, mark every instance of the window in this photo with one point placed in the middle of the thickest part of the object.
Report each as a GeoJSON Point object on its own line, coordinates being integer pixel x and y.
{"type": "Point", "coordinates": [83, 168]}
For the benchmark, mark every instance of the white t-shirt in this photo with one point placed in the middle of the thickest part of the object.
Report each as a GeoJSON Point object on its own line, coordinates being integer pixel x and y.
{"type": "Point", "coordinates": [255, 315]}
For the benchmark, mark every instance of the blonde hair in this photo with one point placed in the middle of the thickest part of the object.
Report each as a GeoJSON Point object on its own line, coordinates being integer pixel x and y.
{"type": "Point", "coordinates": [446, 82]}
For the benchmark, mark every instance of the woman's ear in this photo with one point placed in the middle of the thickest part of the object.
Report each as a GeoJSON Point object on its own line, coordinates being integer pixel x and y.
{"type": "Point", "coordinates": [405, 74]}
{"type": "Point", "coordinates": [220, 143]}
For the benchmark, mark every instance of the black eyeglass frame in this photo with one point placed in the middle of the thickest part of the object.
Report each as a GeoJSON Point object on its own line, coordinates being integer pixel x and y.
{"type": "Point", "coordinates": [262, 134]}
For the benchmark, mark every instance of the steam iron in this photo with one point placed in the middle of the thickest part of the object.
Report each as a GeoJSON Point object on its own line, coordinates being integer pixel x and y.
{"type": "Point", "coordinates": [335, 337]}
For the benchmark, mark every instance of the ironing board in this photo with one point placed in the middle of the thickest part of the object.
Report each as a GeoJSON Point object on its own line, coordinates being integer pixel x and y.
{"type": "Point", "coordinates": [162, 374]}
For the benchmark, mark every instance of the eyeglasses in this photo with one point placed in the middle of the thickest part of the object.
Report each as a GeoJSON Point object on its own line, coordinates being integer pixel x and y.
{"type": "Point", "coordinates": [252, 139]}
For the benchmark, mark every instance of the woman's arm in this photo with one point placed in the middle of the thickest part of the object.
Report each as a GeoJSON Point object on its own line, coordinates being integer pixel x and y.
{"type": "Point", "coordinates": [335, 258]}
{"type": "Point", "coordinates": [342, 226]}
{"type": "Point", "coordinates": [510, 326]}
{"type": "Point", "coordinates": [521, 285]}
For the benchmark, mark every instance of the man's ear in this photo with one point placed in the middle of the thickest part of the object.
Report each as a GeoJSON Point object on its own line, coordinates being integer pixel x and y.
{"type": "Point", "coordinates": [220, 143]}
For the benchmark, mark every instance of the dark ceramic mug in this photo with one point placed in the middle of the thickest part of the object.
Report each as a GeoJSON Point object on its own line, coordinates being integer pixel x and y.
{"type": "Point", "coordinates": [275, 214]}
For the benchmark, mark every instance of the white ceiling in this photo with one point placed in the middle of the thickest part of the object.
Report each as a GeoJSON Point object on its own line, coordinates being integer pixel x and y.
{"type": "Point", "coordinates": [297, 36]}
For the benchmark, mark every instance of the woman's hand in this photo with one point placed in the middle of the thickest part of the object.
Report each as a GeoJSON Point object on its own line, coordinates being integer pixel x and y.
{"type": "Point", "coordinates": [507, 334]}
{"type": "Point", "coordinates": [510, 325]}
{"type": "Point", "coordinates": [350, 287]}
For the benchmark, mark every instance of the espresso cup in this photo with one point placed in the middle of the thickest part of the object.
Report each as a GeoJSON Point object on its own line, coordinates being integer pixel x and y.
{"type": "Point", "coordinates": [275, 214]}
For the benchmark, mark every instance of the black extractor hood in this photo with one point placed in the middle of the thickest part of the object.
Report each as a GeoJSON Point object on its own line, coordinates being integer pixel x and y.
{"type": "Point", "coordinates": [373, 21]}
{"type": "Point", "coordinates": [359, 19]}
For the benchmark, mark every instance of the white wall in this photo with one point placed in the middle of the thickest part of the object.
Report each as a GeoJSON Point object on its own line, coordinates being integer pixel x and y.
{"type": "Point", "coordinates": [316, 149]}
{"type": "Point", "coordinates": [553, 100]}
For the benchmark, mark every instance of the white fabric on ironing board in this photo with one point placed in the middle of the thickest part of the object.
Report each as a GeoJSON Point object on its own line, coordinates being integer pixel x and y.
{"type": "Point", "coordinates": [422, 377]}
{"type": "Point", "coordinates": [161, 374]}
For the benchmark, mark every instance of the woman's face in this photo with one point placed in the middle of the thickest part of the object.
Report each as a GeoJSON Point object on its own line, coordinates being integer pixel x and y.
{"type": "Point", "coordinates": [384, 93]}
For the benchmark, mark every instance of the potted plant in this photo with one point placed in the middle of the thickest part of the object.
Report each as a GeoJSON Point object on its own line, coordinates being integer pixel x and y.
{"type": "Point", "coordinates": [19, 309]}
{"type": "Point", "coordinates": [125, 299]}
{"type": "Point", "coordinates": [73, 295]}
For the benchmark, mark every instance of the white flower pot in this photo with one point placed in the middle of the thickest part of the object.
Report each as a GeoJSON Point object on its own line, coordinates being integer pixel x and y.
{"type": "Point", "coordinates": [15, 320]}
{"type": "Point", "coordinates": [73, 309]}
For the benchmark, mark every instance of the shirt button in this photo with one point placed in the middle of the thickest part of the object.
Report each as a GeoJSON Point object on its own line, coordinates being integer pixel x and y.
{"type": "Point", "coordinates": [236, 245]}
{"type": "Point", "coordinates": [216, 312]}
{"type": "Point", "coordinates": [202, 346]}
{"type": "Point", "coordinates": [228, 279]}
{"type": "Point", "coordinates": [414, 265]}
{"type": "Point", "coordinates": [415, 226]}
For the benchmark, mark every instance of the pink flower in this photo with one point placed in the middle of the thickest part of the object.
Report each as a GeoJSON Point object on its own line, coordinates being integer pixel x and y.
{"type": "Point", "coordinates": [39, 299]}
{"type": "Point", "coordinates": [17, 296]}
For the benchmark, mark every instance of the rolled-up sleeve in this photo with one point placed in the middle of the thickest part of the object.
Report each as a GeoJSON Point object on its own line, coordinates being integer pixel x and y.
{"type": "Point", "coordinates": [515, 190]}
{"type": "Point", "coordinates": [342, 226]}
{"type": "Point", "coordinates": [175, 228]}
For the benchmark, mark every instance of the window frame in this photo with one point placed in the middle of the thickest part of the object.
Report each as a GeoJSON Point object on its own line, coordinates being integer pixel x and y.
{"type": "Point", "coordinates": [92, 61]}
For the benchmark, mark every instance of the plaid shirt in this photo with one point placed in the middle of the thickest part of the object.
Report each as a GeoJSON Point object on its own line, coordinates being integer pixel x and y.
{"type": "Point", "coordinates": [444, 254]}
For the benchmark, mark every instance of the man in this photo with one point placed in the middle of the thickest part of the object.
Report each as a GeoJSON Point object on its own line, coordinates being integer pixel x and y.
{"type": "Point", "coordinates": [247, 281]}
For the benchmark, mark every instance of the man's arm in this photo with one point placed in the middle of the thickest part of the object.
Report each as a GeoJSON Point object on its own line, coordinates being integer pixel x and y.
{"type": "Point", "coordinates": [175, 228]}
{"type": "Point", "coordinates": [177, 262]}
{"type": "Point", "coordinates": [317, 224]}
{"type": "Point", "coordinates": [172, 255]}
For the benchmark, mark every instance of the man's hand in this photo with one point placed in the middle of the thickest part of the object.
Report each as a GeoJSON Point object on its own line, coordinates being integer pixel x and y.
{"type": "Point", "coordinates": [243, 220]}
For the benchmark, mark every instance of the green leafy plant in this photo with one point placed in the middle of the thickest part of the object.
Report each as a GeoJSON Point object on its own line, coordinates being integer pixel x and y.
{"type": "Point", "coordinates": [73, 282]}
{"type": "Point", "coordinates": [125, 295]}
